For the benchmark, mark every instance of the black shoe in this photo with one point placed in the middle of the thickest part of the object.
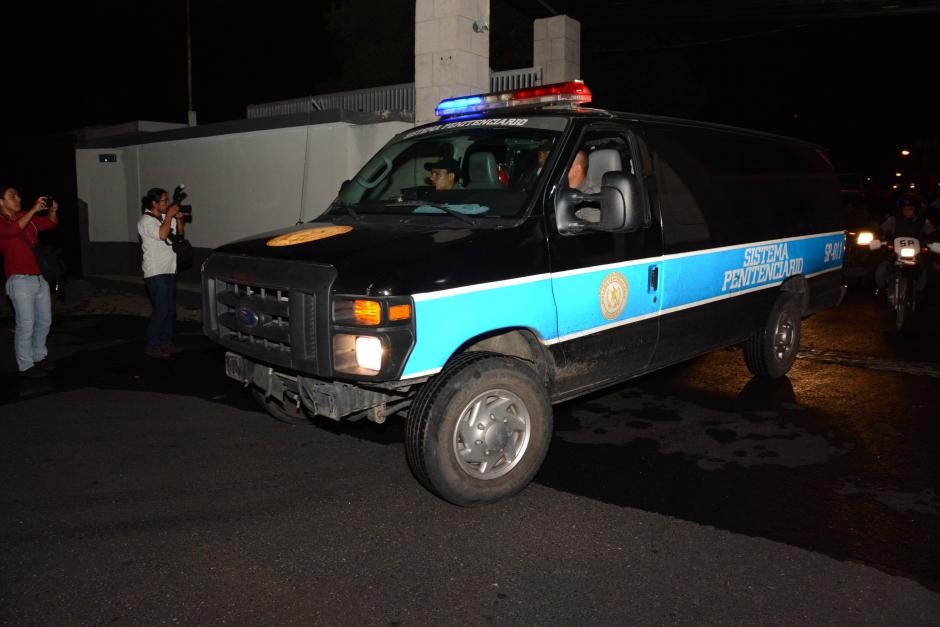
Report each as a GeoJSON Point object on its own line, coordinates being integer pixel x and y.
{"type": "Point", "coordinates": [45, 364]}
{"type": "Point", "coordinates": [34, 373]}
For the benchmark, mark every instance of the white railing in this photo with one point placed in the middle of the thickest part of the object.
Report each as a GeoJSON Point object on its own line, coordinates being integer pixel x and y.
{"type": "Point", "coordinates": [515, 79]}
{"type": "Point", "coordinates": [388, 98]}
{"type": "Point", "coordinates": [399, 97]}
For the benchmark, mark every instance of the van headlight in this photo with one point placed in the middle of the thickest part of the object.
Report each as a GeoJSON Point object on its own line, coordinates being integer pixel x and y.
{"type": "Point", "coordinates": [372, 336]}
{"type": "Point", "coordinates": [369, 352]}
{"type": "Point", "coordinates": [358, 354]}
{"type": "Point", "coordinates": [864, 238]}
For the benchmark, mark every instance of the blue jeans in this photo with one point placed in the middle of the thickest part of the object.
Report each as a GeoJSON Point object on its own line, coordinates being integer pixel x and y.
{"type": "Point", "coordinates": [162, 290]}
{"type": "Point", "coordinates": [33, 307]}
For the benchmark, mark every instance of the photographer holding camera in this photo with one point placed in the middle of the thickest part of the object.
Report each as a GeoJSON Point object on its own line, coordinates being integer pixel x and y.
{"type": "Point", "coordinates": [25, 285]}
{"type": "Point", "coordinates": [160, 226]}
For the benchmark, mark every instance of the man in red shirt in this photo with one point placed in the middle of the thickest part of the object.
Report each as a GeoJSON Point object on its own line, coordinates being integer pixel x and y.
{"type": "Point", "coordinates": [25, 286]}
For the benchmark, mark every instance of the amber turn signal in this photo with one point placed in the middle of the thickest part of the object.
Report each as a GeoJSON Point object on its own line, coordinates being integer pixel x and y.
{"type": "Point", "coordinates": [399, 312]}
{"type": "Point", "coordinates": [367, 312]}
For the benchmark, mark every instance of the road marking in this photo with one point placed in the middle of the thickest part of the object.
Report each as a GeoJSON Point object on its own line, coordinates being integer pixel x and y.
{"type": "Point", "coordinates": [921, 368]}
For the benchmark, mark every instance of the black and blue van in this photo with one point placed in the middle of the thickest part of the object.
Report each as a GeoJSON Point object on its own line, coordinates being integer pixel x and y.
{"type": "Point", "coordinates": [470, 276]}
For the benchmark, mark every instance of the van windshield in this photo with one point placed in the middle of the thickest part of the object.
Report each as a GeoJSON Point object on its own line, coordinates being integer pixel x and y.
{"type": "Point", "coordinates": [472, 173]}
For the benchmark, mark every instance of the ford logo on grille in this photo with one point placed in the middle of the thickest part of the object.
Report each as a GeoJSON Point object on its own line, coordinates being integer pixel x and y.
{"type": "Point", "coordinates": [246, 317]}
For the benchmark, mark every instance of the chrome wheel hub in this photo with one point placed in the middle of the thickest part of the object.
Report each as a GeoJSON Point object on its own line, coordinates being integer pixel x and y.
{"type": "Point", "coordinates": [784, 336]}
{"type": "Point", "coordinates": [492, 434]}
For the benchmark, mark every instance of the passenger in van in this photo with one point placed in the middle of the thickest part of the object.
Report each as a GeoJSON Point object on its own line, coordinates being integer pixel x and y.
{"type": "Point", "coordinates": [443, 173]}
{"type": "Point", "coordinates": [531, 165]}
{"type": "Point", "coordinates": [545, 147]}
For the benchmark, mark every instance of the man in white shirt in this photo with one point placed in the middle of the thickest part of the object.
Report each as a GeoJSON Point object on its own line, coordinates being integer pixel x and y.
{"type": "Point", "coordinates": [159, 265]}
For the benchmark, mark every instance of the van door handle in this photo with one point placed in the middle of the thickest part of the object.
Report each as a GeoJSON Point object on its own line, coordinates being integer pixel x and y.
{"type": "Point", "coordinates": [654, 278]}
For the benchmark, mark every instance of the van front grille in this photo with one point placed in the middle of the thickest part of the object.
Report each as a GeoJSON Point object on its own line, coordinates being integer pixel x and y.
{"type": "Point", "coordinates": [255, 315]}
{"type": "Point", "coordinates": [273, 310]}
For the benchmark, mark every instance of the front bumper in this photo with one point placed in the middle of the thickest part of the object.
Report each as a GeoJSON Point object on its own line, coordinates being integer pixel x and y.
{"type": "Point", "coordinates": [331, 399]}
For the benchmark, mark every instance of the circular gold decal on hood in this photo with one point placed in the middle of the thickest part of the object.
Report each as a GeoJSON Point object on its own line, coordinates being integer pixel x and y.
{"type": "Point", "coordinates": [613, 295]}
{"type": "Point", "coordinates": [308, 235]}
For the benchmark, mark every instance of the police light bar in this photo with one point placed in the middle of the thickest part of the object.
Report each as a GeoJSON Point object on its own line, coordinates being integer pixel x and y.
{"type": "Point", "coordinates": [572, 92]}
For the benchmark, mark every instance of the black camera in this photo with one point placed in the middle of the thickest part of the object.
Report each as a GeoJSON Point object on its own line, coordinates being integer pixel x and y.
{"type": "Point", "coordinates": [48, 200]}
{"type": "Point", "coordinates": [178, 196]}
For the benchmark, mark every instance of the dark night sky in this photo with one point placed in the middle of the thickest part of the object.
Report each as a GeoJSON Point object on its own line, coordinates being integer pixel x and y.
{"type": "Point", "coordinates": [853, 76]}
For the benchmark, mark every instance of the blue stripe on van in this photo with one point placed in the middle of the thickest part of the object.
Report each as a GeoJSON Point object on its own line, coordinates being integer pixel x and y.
{"type": "Point", "coordinates": [689, 279]}
{"type": "Point", "coordinates": [447, 319]}
{"type": "Point", "coordinates": [445, 322]}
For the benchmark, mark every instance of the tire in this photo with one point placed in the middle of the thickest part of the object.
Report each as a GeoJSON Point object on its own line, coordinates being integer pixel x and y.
{"type": "Point", "coordinates": [771, 351]}
{"type": "Point", "coordinates": [441, 423]}
{"type": "Point", "coordinates": [290, 414]}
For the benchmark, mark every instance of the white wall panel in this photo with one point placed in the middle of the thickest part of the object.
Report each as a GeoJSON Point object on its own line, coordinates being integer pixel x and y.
{"type": "Point", "coordinates": [104, 188]}
{"type": "Point", "coordinates": [239, 184]}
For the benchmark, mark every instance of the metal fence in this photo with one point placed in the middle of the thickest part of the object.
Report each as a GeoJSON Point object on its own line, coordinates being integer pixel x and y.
{"type": "Point", "coordinates": [515, 79]}
{"type": "Point", "coordinates": [399, 97]}
{"type": "Point", "coordinates": [389, 98]}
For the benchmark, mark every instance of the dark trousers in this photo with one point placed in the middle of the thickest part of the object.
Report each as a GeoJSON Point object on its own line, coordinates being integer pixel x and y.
{"type": "Point", "coordinates": [162, 291]}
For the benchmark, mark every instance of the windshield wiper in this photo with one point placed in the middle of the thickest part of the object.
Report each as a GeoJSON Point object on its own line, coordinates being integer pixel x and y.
{"type": "Point", "coordinates": [342, 204]}
{"type": "Point", "coordinates": [446, 209]}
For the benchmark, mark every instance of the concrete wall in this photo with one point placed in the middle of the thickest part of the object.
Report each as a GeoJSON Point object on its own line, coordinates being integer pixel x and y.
{"type": "Point", "coordinates": [239, 183]}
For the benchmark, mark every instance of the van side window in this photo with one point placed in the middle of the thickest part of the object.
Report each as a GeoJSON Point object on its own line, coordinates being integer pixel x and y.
{"type": "Point", "coordinates": [681, 210]}
{"type": "Point", "coordinates": [744, 187]}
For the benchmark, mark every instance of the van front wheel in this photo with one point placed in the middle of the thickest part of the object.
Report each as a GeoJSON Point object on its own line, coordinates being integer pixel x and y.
{"type": "Point", "coordinates": [771, 351]}
{"type": "Point", "coordinates": [479, 431]}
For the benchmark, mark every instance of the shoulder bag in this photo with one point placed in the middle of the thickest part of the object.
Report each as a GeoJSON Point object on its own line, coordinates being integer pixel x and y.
{"type": "Point", "coordinates": [49, 259]}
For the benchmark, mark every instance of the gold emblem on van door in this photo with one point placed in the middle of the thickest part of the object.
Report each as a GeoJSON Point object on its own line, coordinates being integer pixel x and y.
{"type": "Point", "coordinates": [613, 295]}
{"type": "Point", "coordinates": [308, 235]}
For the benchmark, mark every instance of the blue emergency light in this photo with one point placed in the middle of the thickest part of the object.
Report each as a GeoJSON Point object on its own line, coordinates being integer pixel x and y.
{"type": "Point", "coordinates": [571, 92]}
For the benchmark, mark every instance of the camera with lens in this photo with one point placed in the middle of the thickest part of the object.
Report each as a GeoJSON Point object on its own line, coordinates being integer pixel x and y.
{"type": "Point", "coordinates": [178, 196]}
{"type": "Point", "coordinates": [47, 201]}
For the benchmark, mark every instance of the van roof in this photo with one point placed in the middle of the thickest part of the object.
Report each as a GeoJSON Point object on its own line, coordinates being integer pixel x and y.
{"type": "Point", "coordinates": [604, 114]}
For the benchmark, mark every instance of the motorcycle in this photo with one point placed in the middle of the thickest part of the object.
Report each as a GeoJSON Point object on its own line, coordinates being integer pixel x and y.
{"type": "Point", "coordinates": [906, 265]}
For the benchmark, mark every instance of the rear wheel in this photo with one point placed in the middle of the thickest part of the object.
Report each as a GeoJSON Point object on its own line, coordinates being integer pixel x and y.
{"type": "Point", "coordinates": [479, 431]}
{"type": "Point", "coordinates": [771, 351]}
{"type": "Point", "coordinates": [291, 414]}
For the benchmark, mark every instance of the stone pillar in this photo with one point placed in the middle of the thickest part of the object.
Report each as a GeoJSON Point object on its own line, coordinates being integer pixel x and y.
{"type": "Point", "coordinates": [452, 52]}
{"type": "Point", "coordinates": [557, 48]}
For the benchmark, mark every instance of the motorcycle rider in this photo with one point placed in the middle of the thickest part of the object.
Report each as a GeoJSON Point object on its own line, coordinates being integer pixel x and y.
{"type": "Point", "coordinates": [904, 223]}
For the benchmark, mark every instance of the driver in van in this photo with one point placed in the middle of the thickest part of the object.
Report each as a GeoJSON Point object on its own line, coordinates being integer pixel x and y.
{"type": "Point", "coordinates": [577, 174]}
{"type": "Point", "coordinates": [577, 179]}
{"type": "Point", "coordinates": [443, 173]}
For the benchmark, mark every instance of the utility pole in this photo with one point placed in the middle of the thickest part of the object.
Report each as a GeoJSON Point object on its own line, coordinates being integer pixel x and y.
{"type": "Point", "coordinates": [190, 114]}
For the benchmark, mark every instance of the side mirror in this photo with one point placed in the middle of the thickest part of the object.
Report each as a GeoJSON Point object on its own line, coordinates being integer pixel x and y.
{"type": "Point", "coordinates": [621, 207]}
{"type": "Point", "coordinates": [934, 247]}
{"type": "Point", "coordinates": [618, 203]}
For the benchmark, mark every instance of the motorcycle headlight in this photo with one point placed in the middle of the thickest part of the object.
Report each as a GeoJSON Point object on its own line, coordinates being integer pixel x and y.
{"type": "Point", "coordinates": [908, 253]}
{"type": "Point", "coordinates": [864, 238]}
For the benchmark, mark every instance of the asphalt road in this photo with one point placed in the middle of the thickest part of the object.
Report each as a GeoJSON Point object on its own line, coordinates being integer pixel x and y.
{"type": "Point", "coordinates": [135, 491]}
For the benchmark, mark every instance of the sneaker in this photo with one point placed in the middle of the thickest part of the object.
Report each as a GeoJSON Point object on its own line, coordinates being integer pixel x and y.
{"type": "Point", "coordinates": [45, 364]}
{"type": "Point", "coordinates": [156, 353]}
{"type": "Point", "coordinates": [34, 373]}
{"type": "Point", "coordinates": [171, 349]}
